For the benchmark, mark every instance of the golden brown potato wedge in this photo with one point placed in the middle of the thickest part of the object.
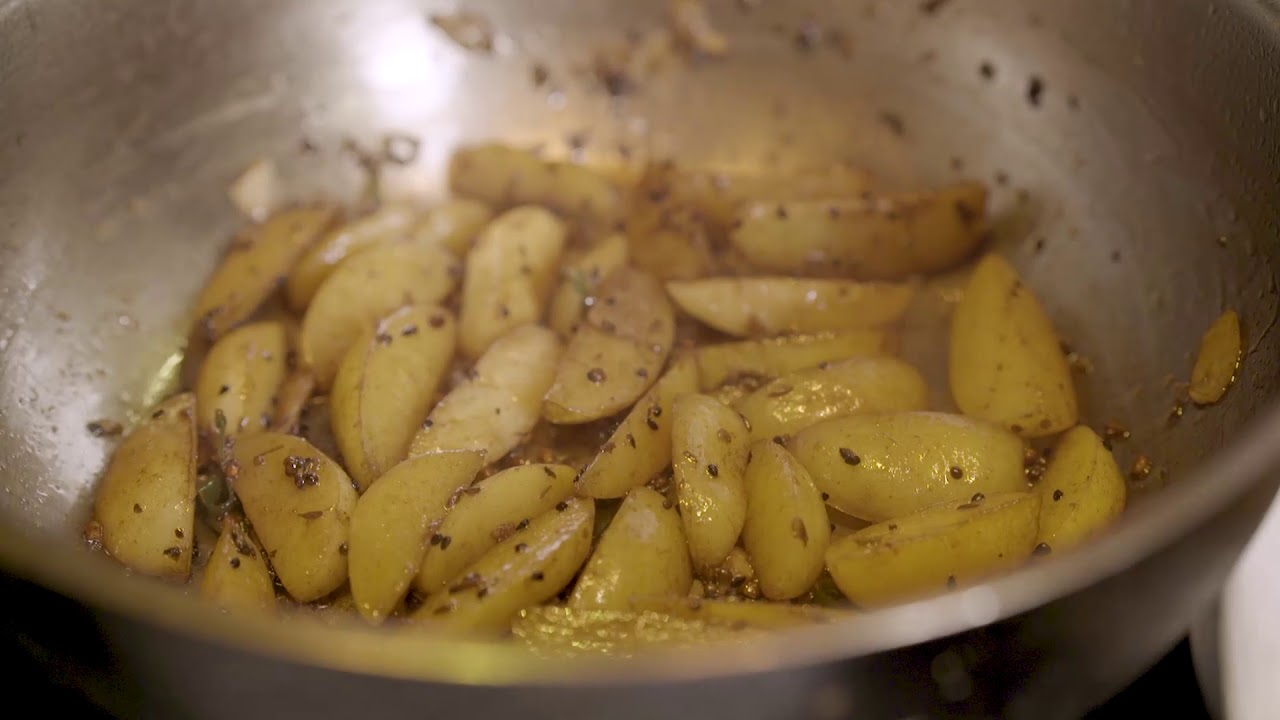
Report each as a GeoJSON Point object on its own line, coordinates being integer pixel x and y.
{"type": "Point", "coordinates": [786, 531]}
{"type": "Point", "coordinates": [504, 176]}
{"type": "Point", "coordinates": [582, 279]}
{"type": "Point", "coordinates": [773, 357]}
{"type": "Point", "coordinates": [1217, 361]}
{"type": "Point", "coordinates": [1082, 491]}
{"type": "Point", "coordinates": [755, 306]}
{"type": "Point", "coordinates": [452, 225]}
{"type": "Point", "coordinates": [237, 576]}
{"type": "Point", "coordinates": [709, 445]}
{"type": "Point", "coordinates": [240, 378]}
{"type": "Point", "coordinates": [389, 222]}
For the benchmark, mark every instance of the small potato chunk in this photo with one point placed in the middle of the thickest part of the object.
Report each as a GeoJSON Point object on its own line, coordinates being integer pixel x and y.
{"type": "Point", "coordinates": [885, 237]}
{"type": "Point", "coordinates": [582, 279]}
{"type": "Point", "coordinates": [237, 577]}
{"type": "Point", "coordinates": [786, 532]}
{"type": "Point", "coordinates": [709, 444]}
{"type": "Point", "coordinates": [936, 549]}
{"type": "Point", "coordinates": [488, 513]}
{"type": "Point", "coordinates": [668, 240]}
{"type": "Point", "coordinates": [146, 503]}
{"type": "Point", "coordinates": [499, 403]}
{"type": "Point", "coordinates": [504, 176]}
{"type": "Point", "coordinates": [642, 553]}
{"type": "Point", "coordinates": [299, 503]}
{"type": "Point", "coordinates": [509, 277]}
{"type": "Point", "coordinates": [1218, 361]}
{"type": "Point", "coordinates": [385, 387]}
{"type": "Point", "coordinates": [1082, 491]}
{"type": "Point", "coordinates": [879, 467]}
{"type": "Point", "coordinates": [641, 446]}
{"type": "Point", "coordinates": [1007, 364]}
{"type": "Point", "coordinates": [452, 225]}
{"type": "Point", "coordinates": [362, 291]}
{"type": "Point", "coordinates": [755, 306]}
{"type": "Point", "coordinates": [389, 222]}
{"type": "Point", "coordinates": [616, 354]}
{"type": "Point", "coordinates": [240, 378]}
{"type": "Point", "coordinates": [771, 358]}
{"type": "Point", "coordinates": [255, 265]}
{"type": "Point", "coordinates": [806, 397]}
{"type": "Point", "coordinates": [394, 522]}
{"type": "Point", "coordinates": [529, 568]}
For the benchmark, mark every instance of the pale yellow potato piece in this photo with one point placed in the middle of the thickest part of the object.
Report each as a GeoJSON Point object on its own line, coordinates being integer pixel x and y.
{"type": "Point", "coordinates": [1007, 364]}
{"type": "Point", "coordinates": [500, 402]}
{"type": "Point", "coordinates": [642, 553]}
{"type": "Point", "coordinates": [453, 225]}
{"type": "Point", "coordinates": [786, 531]}
{"type": "Point", "coordinates": [616, 354]}
{"type": "Point", "coordinates": [146, 502]}
{"type": "Point", "coordinates": [240, 377]}
{"type": "Point", "coordinates": [738, 614]}
{"type": "Point", "coordinates": [504, 176]}
{"type": "Point", "coordinates": [878, 237]}
{"type": "Point", "coordinates": [668, 240]}
{"type": "Point", "coordinates": [772, 357]}
{"type": "Point", "coordinates": [879, 467]}
{"type": "Point", "coordinates": [237, 577]}
{"type": "Point", "coordinates": [509, 277]}
{"type": "Point", "coordinates": [641, 446]}
{"type": "Point", "coordinates": [874, 384]}
{"type": "Point", "coordinates": [1082, 491]}
{"type": "Point", "coordinates": [394, 522]}
{"type": "Point", "coordinates": [488, 513]}
{"type": "Point", "coordinates": [936, 549]}
{"type": "Point", "coordinates": [254, 267]}
{"type": "Point", "coordinates": [555, 632]}
{"type": "Point", "coordinates": [299, 503]}
{"type": "Point", "coordinates": [1218, 360]}
{"type": "Point", "coordinates": [582, 278]}
{"type": "Point", "coordinates": [362, 291]}
{"type": "Point", "coordinates": [389, 222]}
{"type": "Point", "coordinates": [386, 385]}
{"type": "Point", "coordinates": [709, 447]}
{"type": "Point", "coordinates": [529, 568]}
{"type": "Point", "coordinates": [755, 306]}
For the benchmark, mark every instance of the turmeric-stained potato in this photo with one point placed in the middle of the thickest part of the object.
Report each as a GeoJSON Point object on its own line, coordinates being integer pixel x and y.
{"type": "Point", "coordinates": [616, 354]}
{"type": "Point", "coordinates": [879, 237]}
{"type": "Point", "coordinates": [240, 378]}
{"type": "Point", "coordinates": [1217, 361]}
{"type": "Point", "coordinates": [642, 553]}
{"type": "Point", "coordinates": [237, 577]}
{"type": "Point", "coordinates": [362, 291]}
{"type": "Point", "coordinates": [1007, 364]}
{"type": "Point", "coordinates": [147, 500]}
{"type": "Point", "coordinates": [668, 240]}
{"type": "Point", "coordinates": [935, 549]}
{"type": "Point", "coordinates": [386, 385]}
{"type": "Point", "coordinates": [879, 467]}
{"type": "Point", "coordinates": [394, 522]}
{"type": "Point", "coordinates": [770, 358]}
{"type": "Point", "coordinates": [581, 280]}
{"type": "Point", "coordinates": [755, 306]}
{"type": "Point", "coordinates": [509, 276]}
{"type": "Point", "coordinates": [389, 222]}
{"type": "Point", "coordinates": [299, 503]}
{"type": "Point", "coordinates": [741, 615]}
{"type": "Point", "coordinates": [452, 225]}
{"type": "Point", "coordinates": [786, 531]}
{"type": "Point", "coordinates": [709, 446]}
{"type": "Point", "coordinates": [529, 568]}
{"type": "Point", "coordinates": [555, 632]}
{"type": "Point", "coordinates": [641, 446]}
{"type": "Point", "coordinates": [501, 400]}
{"type": "Point", "coordinates": [504, 176]}
{"type": "Point", "coordinates": [803, 398]}
{"type": "Point", "coordinates": [1082, 491]}
{"type": "Point", "coordinates": [489, 512]}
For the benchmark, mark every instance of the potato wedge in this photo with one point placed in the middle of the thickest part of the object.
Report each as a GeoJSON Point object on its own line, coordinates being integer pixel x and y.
{"type": "Point", "coordinates": [395, 521]}
{"type": "Point", "coordinates": [641, 446]}
{"type": "Point", "coordinates": [240, 378]}
{"type": "Point", "coordinates": [935, 549]}
{"type": "Point", "coordinates": [1217, 361]}
{"type": "Point", "coordinates": [617, 354]}
{"type": "Point", "coordinates": [1007, 364]}
{"type": "Point", "coordinates": [755, 306]}
{"type": "Point", "coordinates": [582, 279]}
{"type": "Point", "coordinates": [884, 237]}
{"type": "Point", "coordinates": [803, 398]}
{"type": "Point", "coordinates": [299, 503]}
{"type": "Point", "coordinates": [786, 531]}
{"type": "Point", "coordinates": [389, 222]}
{"type": "Point", "coordinates": [237, 576]}
{"type": "Point", "coordinates": [668, 240]}
{"type": "Point", "coordinates": [487, 514]}
{"type": "Point", "coordinates": [386, 385]}
{"type": "Point", "coordinates": [501, 400]}
{"type": "Point", "coordinates": [879, 467]}
{"type": "Point", "coordinates": [452, 225]}
{"type": "Point", "coordinates": [563, 632]}
{"type": "Point", "coordinates": [505, 176]}
{"type": "Point", "coordinates": [770, 358]}
{"type": "Point", "coordinates": [146, 502]}
{"type": "Point", "coordinates": [362, 291]}
{"type": "Point", "coordinates": [709, 445]}
{"type": "Point", "coordinates": [642, 553]}
{"type": "Point", "coordinates": [528, 568]}
{"type": "Point", "coordinates": [509, 277]}
{"type": "Point", "coordinates": [740, 615]}
{"type": "Point", "coordinates": [1082, 491]}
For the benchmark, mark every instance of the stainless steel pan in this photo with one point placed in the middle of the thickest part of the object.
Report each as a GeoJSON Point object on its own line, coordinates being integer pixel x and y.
{"type": "Point", "coordinates": [1135, 154]}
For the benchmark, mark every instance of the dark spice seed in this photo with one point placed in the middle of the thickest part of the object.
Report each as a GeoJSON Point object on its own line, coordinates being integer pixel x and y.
{"type": "Point", "coordinates": [957, 472]}
{"type": "Point", "coordinates": [596, 375]}
{"type": "Point", "coordinates": [311, 514]}
{"type": "Point", "coordinates": [383, 338]}
{"type": "Point", "coordinates": [1041, 550]}
{"type": "Point", "coordinates": [224, 389]}
{"type": "Point", "coordinates": [411, 330]}
{"type": "Point", "coordinates": [104, 428]}
{"type": "Point", "coordinates": [137, 508]}
{"type": "Point", "coordinates": [445, 541]}
{"type": "Point", "coordinates": [177, 532]}
{"type": "Point", "coordinates": [437, 321]}
{"type": "Point", "coordinates": [631, 440]}
{"type": "Point", "coordinates": [436, 538]}
{"type": "Point", "coordinates": [343, 549]}
{"type": "Point", "coordinates": [1035, 91]}
{"type": "Point", "coordinates": [1057, 495]}
{"type": "Point", "coordinates": [977, 498]}
{"type": "Point", "coordinates": [562, 506]}
{"type": "Point", "coordinates": [157, 414]}
{"type": "Point", "coordinates": [426, 424]}
{"type": "Point", "coordinates": [712, 470]}
{"type": "Point", "coordinates": [546, 470]}
{"type": "Point", "coordinates": [850, 457]}
{"type": "Point", "coordinates": [173, 552]}
{"type": "Point", "coordinates": [521, 547]}
{"type": "Point", "coordinates": [826, 497]}
{"type": "Point", "coordinates": [538, 576]}
{"type": "Point", "coordinates": [235, 562]}
{"type": "Point", "coordinates": [951, 582]}
{"type": "Point", "coordinates": [641, 372]}
{"type": "Point", "coordinates": [653, 424]}
{"type": "Point", "coordinates": [523, 524]}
